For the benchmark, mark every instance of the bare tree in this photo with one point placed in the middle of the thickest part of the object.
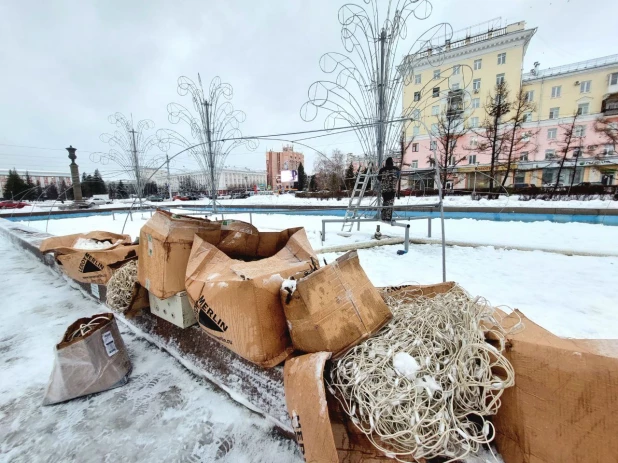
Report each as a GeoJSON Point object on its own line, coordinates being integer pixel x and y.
{"type": "Point", "coordinates": [571, 138]}
{"type": "Point", "coordinates": [515, 138]}
{"type": "Point", "coordinates": [330, 171]}
{"type": "Point", "coordinates": [608, 130]}
{"type": "Point", "coordinates": [491, 135]}
{"type": "Point", "coordinates": [451, 126]}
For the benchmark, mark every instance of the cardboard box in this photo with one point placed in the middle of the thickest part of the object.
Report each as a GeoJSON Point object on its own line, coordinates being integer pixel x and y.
{"type": "Point", "coordinates": [93, 363]}
{"type": "Point", "coordinates": [90, 266]}
{"type": "Point", "coordinates": [564, 406]}
{"type": "Point", "coordinates": [334, 308]}
{"type": "Point", "coordinates": [176, 309]}
{"type": "Point", "coordinates": [166, 241]}
{"type": "Point", "coordinates": [237, 302]}
{"type": "Point", "coordinates": [323, 432]}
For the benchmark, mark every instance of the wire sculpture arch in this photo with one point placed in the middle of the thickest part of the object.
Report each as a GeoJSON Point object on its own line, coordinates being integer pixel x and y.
{"type": "Point", "coordinates": [215, 129]}
{"type": "Point", "coordinates": [368, 80]}
{"type": "Point", "coordinates": [129, 149]}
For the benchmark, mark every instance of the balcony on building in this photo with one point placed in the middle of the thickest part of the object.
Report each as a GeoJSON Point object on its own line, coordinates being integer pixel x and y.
{"type": "Point", "coordinates": [455, 105]}
{"type": "Point", "coordinates": [609, 107]}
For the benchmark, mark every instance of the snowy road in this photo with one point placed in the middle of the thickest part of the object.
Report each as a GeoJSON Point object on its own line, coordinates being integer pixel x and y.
{"type": "Point", "coordinates": [163, 414]}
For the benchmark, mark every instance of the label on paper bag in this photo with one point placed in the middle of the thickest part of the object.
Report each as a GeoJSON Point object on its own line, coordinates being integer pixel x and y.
{"type": "Point", "coordinates": [94, 290]}
{"type": "Point", "coordinates": [110, 345]}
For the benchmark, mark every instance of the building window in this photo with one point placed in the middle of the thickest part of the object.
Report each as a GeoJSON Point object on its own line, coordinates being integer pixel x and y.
{"type": "Point", "coordinates": [584, 87]}
{"type": "Point", "coordinates": [436, 74]}
{"type": "Point", "coordinates": [551, 134]}
{"type": "Point", "coordinates": [554, 113]}
{"type": "Point", "coordinates": [476, 103]}
{"type": "Point", "coordinates": [417, 79]}
{"type": "Point", "coordinates": [530, 96]}
{"type": "Point", "coordinates": [556, 91]}
{"type": "Point", "coordinates": [550, 154]}
{"type": "Point", "coordinates": [417, 96]}
{"type": "Point", "coordinates": [414, 164]}
{"type": "Point", "coordinates": [456, 69]}
{"type": "Point", "coordinates": [501, 58]}
{"type": "Point", "coordinates": [434, 128]}
{"type": "Point", "coordinates": [527, 117]}
{"type": "Point", "coordinates": [577, 152]}
{"type": "Point", "coordinates": [435, 110]}
{"type": "Point", "coordinates": [476, 85]}
{"type": "Point", "coordinates": [474, 122]}
{"type": "Point", "coordinates": [436, 92]}
{"type": "Point", "coordinates": [583, 109]}
{"type": "Point", "coordinates": [524, 156]}
{"type": "Point", "coordinates": [478, 64]}
{"type": "Point", "coordinates": [474, 141]}
{"type": "Point", "coordinates": [500, 79]}
{"type": "Point", "coordinates": [416, 130]}
{"type": "Point", "coordinates": [608, 150]}
{"type": "Point", "coordinates": [455, 87]}
{"type": "Point", "coordinates": [580, 131]}
{"type": "Point", "coordinates": [415, 147]}
{"type": "Point", "coordinates": [416, 114]}
{"type": "Point", "coordinates": [433, 145]}
{"type": "Point", "coordinates": [613, 79]}
{"type": "Point", "coordinates": [472, 159]}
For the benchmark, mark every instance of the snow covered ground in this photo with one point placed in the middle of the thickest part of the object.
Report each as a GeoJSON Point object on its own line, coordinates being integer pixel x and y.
{"type": "Point", "coordinates": [577, 237]}
{"type": "Point", "coordinates": [288, 200]}
{"type": "Point", "coordinates": [163, 414]}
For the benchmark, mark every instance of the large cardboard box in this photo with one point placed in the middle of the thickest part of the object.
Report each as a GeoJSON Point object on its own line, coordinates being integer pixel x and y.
{"type": "Point", "coordinates": [176, 309]}
{"type": "Point", "coordinates": [90, 265]}
{"type": "Point", "coordinates": [166, 241]}
{"type": "Point", "coordinates": [564, 406]}
{"type": "Point", "coordinates": [91, 363]}
{"type": "Point", "coordinates": [334, 308]}
{"type": "Point", "coordinates": [323, 432]}
{"type": "Point", "coordinates": [237, 302]}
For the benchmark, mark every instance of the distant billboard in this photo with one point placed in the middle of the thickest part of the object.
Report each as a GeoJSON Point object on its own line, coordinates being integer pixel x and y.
{"type": "Point", "coordinates": [289, 176]}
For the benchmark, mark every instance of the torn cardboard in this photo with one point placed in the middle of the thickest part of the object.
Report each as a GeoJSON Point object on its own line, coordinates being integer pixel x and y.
{"type": "Point", "coordinates": [323, 432]}
{"type": "Point", "coordinates": [95, 362]}
{"type": "Point", "coordinates": [564, 403]}
{"type": "Point", "coordinates": [237, 302]}
{"type": "Point", "coordinates": [166, 241]}
{"type": "Point", "coordinates": [90, 266]}
{"type": "Point", "coordinates": [334, 308]}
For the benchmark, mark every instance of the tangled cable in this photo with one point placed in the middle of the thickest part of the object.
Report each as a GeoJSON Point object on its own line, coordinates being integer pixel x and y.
{"type": "Point", "coordinates": [424, 385]}
{"type": "Point", "coordinates": [120, 287]}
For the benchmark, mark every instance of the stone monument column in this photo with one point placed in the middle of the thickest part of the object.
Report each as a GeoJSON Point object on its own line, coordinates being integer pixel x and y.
{"type": "Point", "coordinates": [77, 186]}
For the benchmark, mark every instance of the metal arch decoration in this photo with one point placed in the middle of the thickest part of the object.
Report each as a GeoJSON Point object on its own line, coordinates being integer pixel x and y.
{"type": "Point", "coordinates": [367, 83]}
{"type": "Point", "coordinates": [129, 149]}
{"type": "Point", "coordinates": [215, 129]}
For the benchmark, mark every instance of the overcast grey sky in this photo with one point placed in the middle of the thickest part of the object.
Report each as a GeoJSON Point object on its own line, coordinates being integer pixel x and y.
{"type": "Point", "coordinates": [68, 65]}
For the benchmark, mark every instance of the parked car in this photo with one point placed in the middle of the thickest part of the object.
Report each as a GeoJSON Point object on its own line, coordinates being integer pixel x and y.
{"type": "Point", "coordinates": [590, 184]}
{"type": "Point", "coordinates": [12, 205]}
{"type": "Point", "coordinates": [239, 195]}
{"type": "Point", "coordinates": [180, 198]}
{"type": "Point", "coordinates": [155, 199]}
{"type": "Point", "coordinates": [521, 186]}
{"type": "Point", "coordinates": [193, 197]}
{"type": "Point", "coordinates": [99, 201]}
{"type": "Point", "coordinates": [551, 185]}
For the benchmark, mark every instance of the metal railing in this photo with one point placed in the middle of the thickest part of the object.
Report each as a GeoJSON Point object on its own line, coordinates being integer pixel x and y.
{"type": "Point", "coordinates": [579, 66]}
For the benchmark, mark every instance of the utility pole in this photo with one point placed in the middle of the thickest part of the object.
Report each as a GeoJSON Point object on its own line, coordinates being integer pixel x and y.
{"type": "Point", "coordinates": [169, 181]}
{"type": "Point", "coordinates": [138, 177]}
{"type": "Point", "coordinates": [213, 187]}
{"type": "Point", "coordinates": [381, 114]}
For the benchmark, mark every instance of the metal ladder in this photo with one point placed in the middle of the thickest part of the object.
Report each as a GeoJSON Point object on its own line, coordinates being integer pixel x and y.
{"type": "Point", "coordinates": [360, 186]}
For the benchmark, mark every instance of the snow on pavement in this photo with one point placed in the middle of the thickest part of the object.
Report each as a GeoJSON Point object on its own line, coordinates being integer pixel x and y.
{"type": "Point", "coordinates": [163, 414]}
{"type": "Point", "coordinates": [570, 296]}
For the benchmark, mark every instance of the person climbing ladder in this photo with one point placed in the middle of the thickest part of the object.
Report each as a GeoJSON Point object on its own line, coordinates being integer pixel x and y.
{"type": "Point", "coordinates": [388, 177]}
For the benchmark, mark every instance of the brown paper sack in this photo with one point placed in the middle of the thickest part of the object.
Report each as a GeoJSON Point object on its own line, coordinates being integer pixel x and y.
{"type": "Point", "coordinates": [90, 266]}
{"type": "Point", "coordinates": [564, 406]}
{"type": "Point", "coordinates": [238, 303]}
{"type": "Point", "coordinates": [93, 363]}
{"type": "Point", "coordinates": [166, 241]}
{"type": "Point", "coordinates": [334, 308]}
{"type": "Point", "coordinates": [323, 432]}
